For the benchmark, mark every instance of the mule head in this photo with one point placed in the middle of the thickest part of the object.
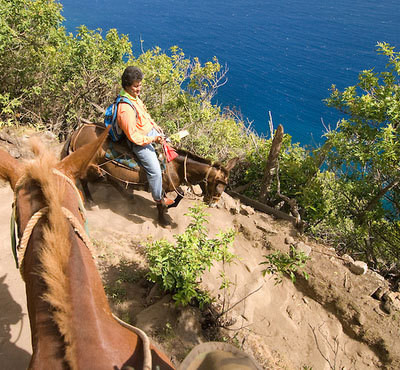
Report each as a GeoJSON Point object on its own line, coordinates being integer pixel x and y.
{"type": "Point", "coordinates": [216, 181]}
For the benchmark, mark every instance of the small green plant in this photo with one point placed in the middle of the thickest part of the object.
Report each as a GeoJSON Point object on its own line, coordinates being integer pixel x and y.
{"type": "Point", "coordinates": [168, 331]}
{"type": "Point", "coordinates": [280, 264]}
{"type": "Point", "coordinates": [178, 268]}
{"type": "Point", "coordinates": [116, 292]}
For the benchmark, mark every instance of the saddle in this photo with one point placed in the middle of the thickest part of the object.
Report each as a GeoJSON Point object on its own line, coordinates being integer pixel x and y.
{"type": "Point", "coordinates": [120, 153]}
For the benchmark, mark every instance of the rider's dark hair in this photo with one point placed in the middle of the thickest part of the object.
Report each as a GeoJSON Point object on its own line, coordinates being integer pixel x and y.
{"type": "Point", "coordinates": [131, 75]}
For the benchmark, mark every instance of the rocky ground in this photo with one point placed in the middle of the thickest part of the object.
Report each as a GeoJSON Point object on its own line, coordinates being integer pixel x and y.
{"type": "Point", "coordinates": [341, 317]}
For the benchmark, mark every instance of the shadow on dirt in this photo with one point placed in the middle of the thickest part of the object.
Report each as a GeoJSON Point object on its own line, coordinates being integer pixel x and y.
{"type": "Point", "coordinates": [11, 356]}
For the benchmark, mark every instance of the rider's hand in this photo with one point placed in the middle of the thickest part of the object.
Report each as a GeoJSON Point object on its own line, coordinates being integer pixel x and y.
{"type": "Point", "coordinates": [158, 139]}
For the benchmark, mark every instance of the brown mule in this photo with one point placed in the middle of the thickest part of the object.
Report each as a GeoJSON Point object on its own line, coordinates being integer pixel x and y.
{"type": "Point", "coordinates": [186, 168]}
{"type": "Point", "coordinates": [71, 323]}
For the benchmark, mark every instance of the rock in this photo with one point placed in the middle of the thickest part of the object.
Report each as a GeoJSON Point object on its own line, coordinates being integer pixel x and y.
{"type": "Point", "coordinates": [294, 313]}
{"type": "Point", "coordinates": [156, 316]}
{"type": "Point", "coordinates": [14, 153]}
{"type": "Point", "coordinates": [246, 210]}
{"type": "Point", "coordinates": [376, 275]}
{"type": "Point", "coordinates": [359, 318]}
{"type": "Point", "coordinates": [348, 258]}
{"type": "Point", "coordinates": [230, 204]}
{"type": "Point", "coordinates": [391, 301]}
{"type": "Point", "coordinates": [387, 307]}
{"type": "Point", "coordinates": [302, 247]}
{"type": "Point", "coordinates": [189, 326]}
{"type": "Point", "coordinates": [154, 294]}
{"type": "Point", "coordinates": [358, 268]}
{"type": "Point", "coordinates": [289, 240]}
{"type": "Point", "coordinates": [6, 136]}
{"type": "Point", "coordinates": [49, 136]}
{"type": "Point", "coordinates": [378, 294]}
{"type": "Point", "coordinates": [197, 190]}
{"type": "Point", "coordinates": [266, 228]}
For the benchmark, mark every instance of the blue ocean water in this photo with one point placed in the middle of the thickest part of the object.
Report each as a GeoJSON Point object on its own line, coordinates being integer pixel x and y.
{"type": "Point", "coordinates": [282, 55]}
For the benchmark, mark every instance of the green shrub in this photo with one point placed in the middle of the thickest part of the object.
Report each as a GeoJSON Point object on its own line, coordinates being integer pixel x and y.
{"type": "Point", "coordinates": [178, 268]}
{"type": "Point", "coordinates": [279, 264]}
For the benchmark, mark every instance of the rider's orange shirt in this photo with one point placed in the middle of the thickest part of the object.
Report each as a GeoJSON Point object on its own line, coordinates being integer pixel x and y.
{"type": "Point", "coordinates": [136, 123]}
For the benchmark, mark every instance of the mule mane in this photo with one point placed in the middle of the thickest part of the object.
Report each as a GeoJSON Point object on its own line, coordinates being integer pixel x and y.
{"type": "Point", "coordinates": [192, 156]}
{"type": "Point", "coordinates": [55, 251]}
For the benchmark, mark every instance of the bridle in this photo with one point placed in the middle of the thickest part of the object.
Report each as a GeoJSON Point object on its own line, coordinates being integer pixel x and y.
{"type": "Point", "coordinates": [214, 198]}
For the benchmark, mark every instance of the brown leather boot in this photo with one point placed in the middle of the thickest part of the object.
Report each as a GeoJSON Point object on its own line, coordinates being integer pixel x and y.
{"type": "Point", "coordinates": [162, 211]}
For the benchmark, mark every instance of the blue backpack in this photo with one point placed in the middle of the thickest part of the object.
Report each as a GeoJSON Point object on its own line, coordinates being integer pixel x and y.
{"type": "Point", "coordinates": [110, 118]}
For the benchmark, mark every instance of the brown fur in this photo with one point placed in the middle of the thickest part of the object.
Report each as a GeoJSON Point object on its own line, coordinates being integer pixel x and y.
{"type": "Point", "coordinates": [54, 253]}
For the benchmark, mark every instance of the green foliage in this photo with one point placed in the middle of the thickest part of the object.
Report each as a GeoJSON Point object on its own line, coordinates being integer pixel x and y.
{"type": "Point", "coordinates": [178, 268]}
{"type": "Point", "coordinates": [365, 157]}
{"type": "Point", "coordinates": [279, 264]}
{"type": "Point", "coordinates": [51, 76]}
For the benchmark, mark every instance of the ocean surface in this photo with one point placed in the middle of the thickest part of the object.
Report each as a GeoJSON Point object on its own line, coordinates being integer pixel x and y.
{"type": "Point", "coordinates": [282, 55]}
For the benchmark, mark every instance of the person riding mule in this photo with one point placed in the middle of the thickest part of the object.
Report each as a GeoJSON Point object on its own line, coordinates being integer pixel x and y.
{"type": "Point", "coordinates": [141, 130]}
{"type": "Point", "coordinates": [132, 120]}
{"type": "Point", "coordinates": [126, 176]}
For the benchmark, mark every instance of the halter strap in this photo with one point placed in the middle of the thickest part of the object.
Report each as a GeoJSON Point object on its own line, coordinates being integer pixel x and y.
{"type": "Point", "coordinates": [208, 174]}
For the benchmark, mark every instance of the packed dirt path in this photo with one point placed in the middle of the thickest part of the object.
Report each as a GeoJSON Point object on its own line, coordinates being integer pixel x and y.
{"type": "Point", "coordinates": [330, 321]}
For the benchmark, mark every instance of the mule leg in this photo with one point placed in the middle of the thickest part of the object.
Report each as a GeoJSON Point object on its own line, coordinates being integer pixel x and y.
{"type": "Point", "coordinates": [88, 196]}
{"type": "Point", "coordinates": [178, 198]}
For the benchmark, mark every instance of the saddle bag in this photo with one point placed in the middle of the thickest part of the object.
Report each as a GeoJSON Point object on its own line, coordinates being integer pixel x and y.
{"type": "Point", "coordinates": [110, 118]}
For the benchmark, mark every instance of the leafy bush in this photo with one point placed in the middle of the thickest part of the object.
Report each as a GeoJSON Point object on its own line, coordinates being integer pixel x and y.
{"type": "Point", "coordinates": [178, 268]}
{"type": "Point", "coordinates": [283, 263]}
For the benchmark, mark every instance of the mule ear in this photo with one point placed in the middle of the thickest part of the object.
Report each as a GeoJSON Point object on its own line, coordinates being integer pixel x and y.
{"type": "Point", "coordinates": [76, 164]}
{"type": "Point", "coordinates": [232, 163]}
{"type": "Point", "coordinates": [10, 168]}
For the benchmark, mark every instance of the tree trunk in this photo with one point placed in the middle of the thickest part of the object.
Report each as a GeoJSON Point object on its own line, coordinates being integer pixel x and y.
{"type": "Point", "coordinates": [272, 161]}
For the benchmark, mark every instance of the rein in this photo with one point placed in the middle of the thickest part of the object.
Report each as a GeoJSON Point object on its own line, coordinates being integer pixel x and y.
{"type": "Point", "coordinates": [82, 233]}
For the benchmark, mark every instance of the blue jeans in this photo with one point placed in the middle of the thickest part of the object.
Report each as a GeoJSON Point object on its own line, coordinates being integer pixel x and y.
{"type": "Point", "coordinates": [148, 159]}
